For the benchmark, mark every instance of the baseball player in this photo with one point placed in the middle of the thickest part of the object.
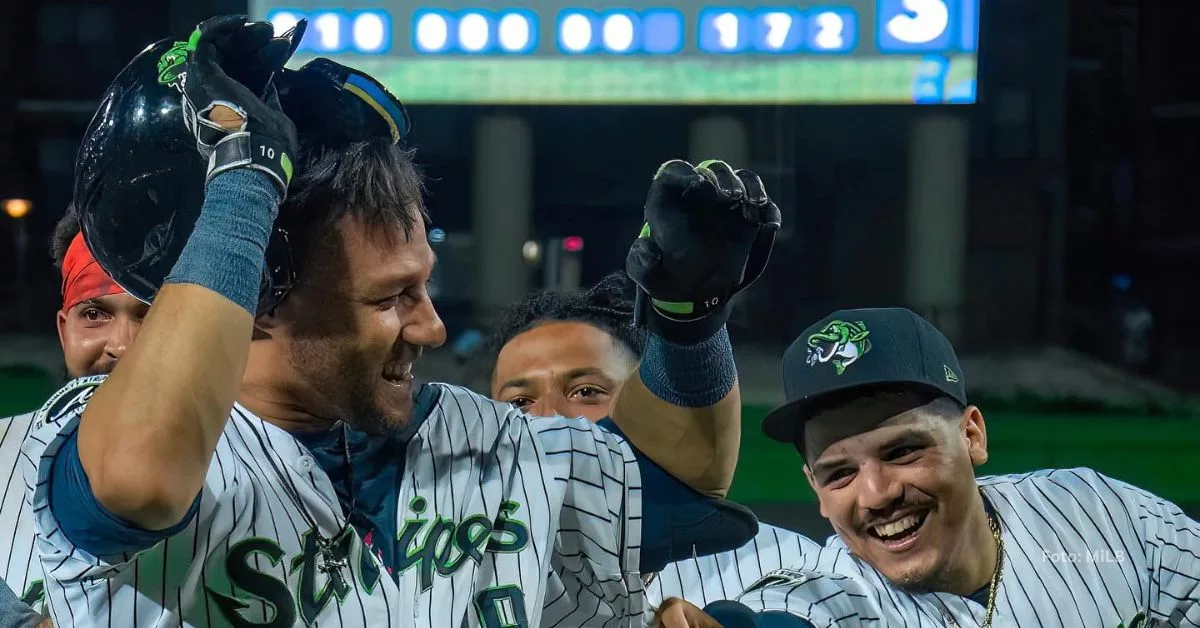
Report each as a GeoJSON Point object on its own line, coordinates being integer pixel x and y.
{"type": "Point", "coordinates": [568, 355]}
{"type": "Point", "coordinates": [336, 491]}
{"type": "Point", "coordinates": [878, 410]}
{"type": "Point", "coordinates": [97, 322]}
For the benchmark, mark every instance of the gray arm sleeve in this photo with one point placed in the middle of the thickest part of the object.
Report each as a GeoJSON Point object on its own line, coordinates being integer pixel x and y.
{"type": "Point", "coordinates": [14, 613]}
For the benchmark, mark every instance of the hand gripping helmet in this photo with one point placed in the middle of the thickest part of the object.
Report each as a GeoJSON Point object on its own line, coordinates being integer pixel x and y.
{"type": "Point", "coordinates": [139, 180]}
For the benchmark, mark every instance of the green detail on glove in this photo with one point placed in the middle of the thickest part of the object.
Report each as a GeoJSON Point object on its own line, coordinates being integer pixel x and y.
{"type": "Point", "coordinates": [645, 233]}
{"type": "Point", "coordinates": [674, 307]}
{"type": "Point", "coordinates": [286, 163]}
{"type": "Point", "coordinates": [193, 40]}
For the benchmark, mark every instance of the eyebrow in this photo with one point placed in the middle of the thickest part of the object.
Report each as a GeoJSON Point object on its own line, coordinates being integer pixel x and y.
{"type": "Point", "coordinates": [521, 382]}
{"type": "Point", "coordinates": [907, 435]}
{"type": "Point", "coordinates": [86, 303]}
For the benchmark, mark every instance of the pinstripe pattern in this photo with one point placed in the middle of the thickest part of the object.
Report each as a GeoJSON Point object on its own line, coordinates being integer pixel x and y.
{"type": "Point", "coordinates": [577, 491]}
{"type": "Point", "coordinates": [558, 501]}
{"type": "Point", "coordinates": [19, 567]}
{"type": "Point", "coordinates": [192, 578]}
{"type": "Point", "coordinates": [705, 579]}
{"type": "Point", "coordinates": [1081, 551]}
{"type": "Point", "coordinates": [781, 570]}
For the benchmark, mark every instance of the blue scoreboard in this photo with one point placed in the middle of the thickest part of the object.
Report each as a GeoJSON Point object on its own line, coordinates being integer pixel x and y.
{"type": "Point", "coordinates": [644, 52]}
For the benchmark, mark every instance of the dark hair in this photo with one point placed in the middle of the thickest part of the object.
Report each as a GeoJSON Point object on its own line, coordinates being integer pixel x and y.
{"type": "Point", "coordinates": [374, 180]}
{"type": "Point", "coordinates": [607, 306]}
{"type": "Point", "coordinates": [65, 230]}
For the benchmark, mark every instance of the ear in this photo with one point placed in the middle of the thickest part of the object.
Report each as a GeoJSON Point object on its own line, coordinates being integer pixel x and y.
{"type": "Point", "coordinates": [269, 324]}
{"type": "Point", "coordinates": [61, 322]}
{"type": "Point", "coordinates": [974, 432]}
{"type": "Point", "coordinates": [812, 483]}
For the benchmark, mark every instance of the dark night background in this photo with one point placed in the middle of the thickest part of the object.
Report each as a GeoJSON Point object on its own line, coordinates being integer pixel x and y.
{"type": "Point", "coordinates": [1082, 225]}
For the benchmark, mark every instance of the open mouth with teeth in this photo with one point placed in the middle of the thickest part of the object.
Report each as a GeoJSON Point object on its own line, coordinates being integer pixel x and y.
{"type": "Point", "coordinates": [397, 374]}
{"type": "Point", "coordinates": [901, 533]}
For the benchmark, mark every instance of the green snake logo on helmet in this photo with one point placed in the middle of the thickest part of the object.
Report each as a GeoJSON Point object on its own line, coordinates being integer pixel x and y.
{"type": "Point", "coordinates": [840, 343]}
{"type": "Point", "coordinates": [171, 63]}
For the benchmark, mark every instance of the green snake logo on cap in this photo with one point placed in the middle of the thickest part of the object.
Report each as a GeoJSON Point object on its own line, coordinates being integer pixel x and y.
{"type": "Point", "coordinates": [839, 342]}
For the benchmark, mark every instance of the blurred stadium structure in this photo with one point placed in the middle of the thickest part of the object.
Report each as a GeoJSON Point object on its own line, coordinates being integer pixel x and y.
{"type": "Point", "coordinates": [1049, 228]}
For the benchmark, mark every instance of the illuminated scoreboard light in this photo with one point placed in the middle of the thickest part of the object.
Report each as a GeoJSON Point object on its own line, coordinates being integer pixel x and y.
{"type": "Point", "coordinates": [919, 26]}
{"type": "Point", "coordinates": [473, 31]}
{"type": "Point", "coordinates": [648, 51]}
{"type": "Point", "coordinates": [655, 32]}
{"type": "Point", "coordinates": [778, 31]}
{"type": "Point", "coordinates": [363, 32]}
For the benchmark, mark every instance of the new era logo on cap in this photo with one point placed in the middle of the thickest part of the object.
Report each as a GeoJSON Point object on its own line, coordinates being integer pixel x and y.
{"type": "Point", "coordinates": [950, 376]}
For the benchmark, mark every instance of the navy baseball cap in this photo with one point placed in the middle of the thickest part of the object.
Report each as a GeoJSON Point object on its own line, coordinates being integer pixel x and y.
{"type": "Point", "coordinates": [864, 348]}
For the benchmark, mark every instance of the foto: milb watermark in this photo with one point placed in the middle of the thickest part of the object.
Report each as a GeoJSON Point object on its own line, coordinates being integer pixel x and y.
{"type": "Point", "coordinates": [1091, 556]}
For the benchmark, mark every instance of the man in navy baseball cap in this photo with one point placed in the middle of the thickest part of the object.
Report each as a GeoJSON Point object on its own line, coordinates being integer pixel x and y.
{"type": "Point", "coordinates": [852, 354]}
{"type": "Point", "coordinates": [877, 408]}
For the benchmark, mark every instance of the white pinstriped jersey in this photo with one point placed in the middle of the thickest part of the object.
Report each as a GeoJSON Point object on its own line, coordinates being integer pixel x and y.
{"type": "Point", "coordinates": [704, 579]}
{"type": "Point", "coordinates": [1081, 550]}
{"type": "Point", "coordinates": [566, 498]}
{"type": "Point", "coordinates": [248, 557]}
{"type": "Point", "coordinates": [777, 571]}
{"type": "Point", "coordinates": [490, 503]}
{"type": "Point", "coordinates": [19, 567]}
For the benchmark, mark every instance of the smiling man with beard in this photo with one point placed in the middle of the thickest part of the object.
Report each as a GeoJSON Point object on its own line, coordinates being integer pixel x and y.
{"type": "Point", "coordinates": [262, 455]}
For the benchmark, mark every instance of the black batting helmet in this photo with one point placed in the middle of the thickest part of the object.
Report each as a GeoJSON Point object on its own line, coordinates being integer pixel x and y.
{"type": "Point", "coordinates": [139, 180]}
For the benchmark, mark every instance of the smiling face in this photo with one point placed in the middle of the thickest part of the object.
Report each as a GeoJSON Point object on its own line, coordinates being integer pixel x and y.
{"type": "Point", "coordinates": [902, 493]}
{"type": "Point", "coordinates": [355, 326]}
{"type": "Point", "coordinates": [566, 368]}
{"type": "Point", "coordinates": [96, 332]}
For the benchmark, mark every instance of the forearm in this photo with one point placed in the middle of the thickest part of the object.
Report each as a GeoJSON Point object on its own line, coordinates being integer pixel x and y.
{"type": "Point", "coordinates": [148, 433]}
{"type": "Point", "coordinates": [683, 410]}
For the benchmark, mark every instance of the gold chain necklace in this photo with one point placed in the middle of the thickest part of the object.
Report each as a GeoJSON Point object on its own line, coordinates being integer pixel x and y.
{"type": "Point", "coordinates": [994, 585]}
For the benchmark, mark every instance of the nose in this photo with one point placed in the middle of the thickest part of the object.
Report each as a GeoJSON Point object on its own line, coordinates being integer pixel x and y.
{"type": "Point", "coordinates": [122, 331]}
{"type": "Point", "coordinates": [425, 328]}
{"type": "Point", "coordinates": [548, 405]}
{"type": "Point", "coordinates": [878, 489]}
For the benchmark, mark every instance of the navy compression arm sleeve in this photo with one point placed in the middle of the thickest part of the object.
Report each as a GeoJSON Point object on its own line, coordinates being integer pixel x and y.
{"type": "Point", "coordinates": [227, 249]}
{"type": "Point", "coordinates": [85, 521]}
{"type": "Point", "coordinates": [689, 376]}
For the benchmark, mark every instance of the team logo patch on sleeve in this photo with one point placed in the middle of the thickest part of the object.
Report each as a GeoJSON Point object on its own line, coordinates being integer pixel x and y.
{"type": "Point", "coordinates": [779, 577]}
{"type": "Point", "coordinates": [69, 400]}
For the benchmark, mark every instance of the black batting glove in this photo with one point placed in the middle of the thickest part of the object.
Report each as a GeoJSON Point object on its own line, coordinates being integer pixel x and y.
{"type": "Point", "coordinates": [235, 127]}
{"type": "Point", "coordinates": [708, 234]}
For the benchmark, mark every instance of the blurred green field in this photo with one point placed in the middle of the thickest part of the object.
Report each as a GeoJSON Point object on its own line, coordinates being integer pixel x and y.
{"type": "Point", "coordinates": [1157, 454]}
{"type": "Point", "coordinates": [648, 80]}
{"type": "Point", "coordinates": [24, 388]}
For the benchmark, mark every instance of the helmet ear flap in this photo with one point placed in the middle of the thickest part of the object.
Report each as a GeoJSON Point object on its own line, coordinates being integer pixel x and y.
{"type": "Point", "coordinates": [279, 274]}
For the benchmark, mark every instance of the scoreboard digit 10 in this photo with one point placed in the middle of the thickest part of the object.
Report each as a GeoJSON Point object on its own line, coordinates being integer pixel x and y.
{"type": "Point", "coordinates": [646, 52]}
